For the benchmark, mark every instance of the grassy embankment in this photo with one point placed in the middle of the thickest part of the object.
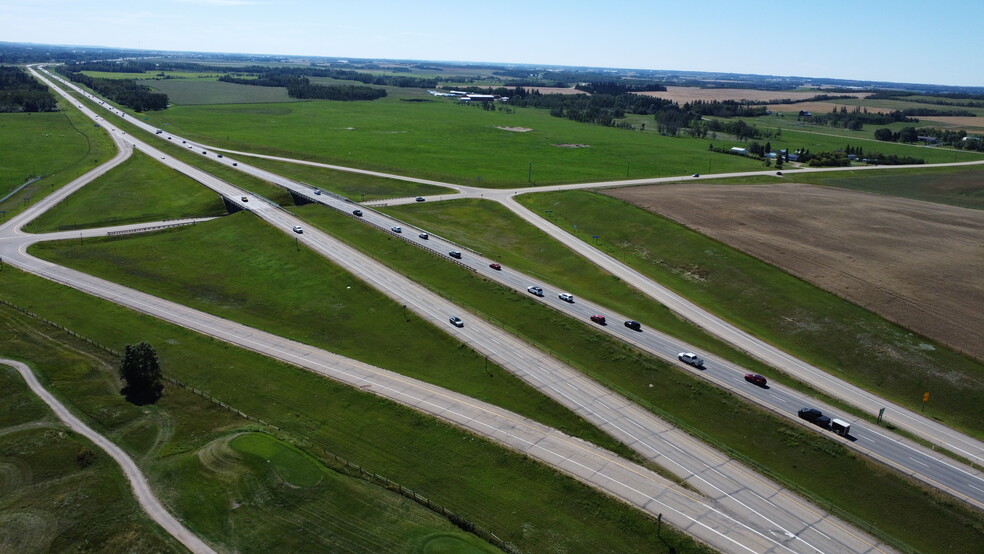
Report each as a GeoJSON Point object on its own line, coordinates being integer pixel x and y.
{"type": "Point", "coordinates": [244, 490]}
{"type": "Point", "coordinates": [138, 192]}
{"type": "Point", "coordinates": [524, 503]}
{"type": "Point", "coordinates": [57, 147]}
{"type": "Point", "coordinates": [846, 340]}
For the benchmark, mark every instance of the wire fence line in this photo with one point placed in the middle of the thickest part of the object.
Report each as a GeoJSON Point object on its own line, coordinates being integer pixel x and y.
{"type": "Point", "coordinates": [331, 459]}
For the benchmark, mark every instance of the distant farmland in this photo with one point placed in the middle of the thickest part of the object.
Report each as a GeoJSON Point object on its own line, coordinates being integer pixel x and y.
{"type": "Point", "coordinates": [880, 252]}
{"type": "Point", "coordinates": [198, 92]}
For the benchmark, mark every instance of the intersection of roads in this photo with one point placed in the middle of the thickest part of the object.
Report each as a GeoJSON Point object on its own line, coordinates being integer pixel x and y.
{"type": "Point", "coordinates": [733, 509]}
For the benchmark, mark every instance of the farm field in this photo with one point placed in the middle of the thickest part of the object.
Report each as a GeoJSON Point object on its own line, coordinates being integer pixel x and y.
{"type": "Point", "coordinates": [532, 507]}
{"type": "Point", "coordinates": [141, 189]}
{"type": "Point", "coordinates": [844, 339]}
{"type": "Point", "coordinates": [954, 186]}
{"type": "Point", "coordinates": [682, 95]}
{"type": "Point", "coordinates": [849, 243]}
{"type": "Point", "coordinates": [444, 141]}
{"type": "Point", "coordinates": [182, 92]}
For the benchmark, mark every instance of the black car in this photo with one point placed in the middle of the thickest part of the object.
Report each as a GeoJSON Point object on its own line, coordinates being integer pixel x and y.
{"type": "Point", "coordinates": [814, 416]}
{"type": "Point", "coordinates": [455, 254]}
{"type": "Point", "coordinates": [357, 213]}
{"type": "Point", "coordinates": [634, 325]}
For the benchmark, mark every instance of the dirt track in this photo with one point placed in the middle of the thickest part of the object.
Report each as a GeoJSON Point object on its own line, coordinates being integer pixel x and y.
{"type": "Point", "coordinates": [916, 263]}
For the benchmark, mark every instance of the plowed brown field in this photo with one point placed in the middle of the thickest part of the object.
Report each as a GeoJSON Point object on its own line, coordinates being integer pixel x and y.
{"type": "Point", "coordinates": [918, 264]}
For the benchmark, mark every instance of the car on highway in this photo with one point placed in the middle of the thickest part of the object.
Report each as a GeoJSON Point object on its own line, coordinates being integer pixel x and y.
{"type": "Point", "coordinates": [234, 164]}
{"type": "Point", "coordinates": [396, 229]}
{"type": "Point", "coordinates": [456, 321]}
{"type": "Point", "coordinates": [691, 358]}
{"type": "Point", "coordinates": [424, 236]}
{"type": "Point", "coordinates": [495, 266]}
{"type": "Point", "coordinates": [814, 416]}
{"type": "Point", "coordinates": [534, 290]}
{"type": "Point", "coordinates": [778, 172]}
{"type": "Point", "coordinates": [357, 213]}
{"type": "Point", "coordinates": [244, 199]}
{"type": "Point", "coordinates": [455, 254]}
{"type": "Point", "coordinates": [420, 199]}
{"type": "Point", "coordinates": [219, 155]}
{"type": "Point", "coordinates": [634, 325]}
{"type": "Point", "coordinates": [599, 319]}
{"type": "Point", "coordinates": [317, 191]}
{"type": "Point", "coordinates": [298, 230]}
{"type": "Point", "coordinates": [696, 175]}
{"type": "Point", "coordinates": [566, 297]}
{"type": "Point", "coordinates": [756, 379]}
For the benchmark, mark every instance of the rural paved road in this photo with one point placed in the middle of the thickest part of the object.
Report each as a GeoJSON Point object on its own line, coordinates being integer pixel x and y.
{"type": "Point", "coordinates": [764, 506]}
{"type": "Point", "coordinates": [138, 482]}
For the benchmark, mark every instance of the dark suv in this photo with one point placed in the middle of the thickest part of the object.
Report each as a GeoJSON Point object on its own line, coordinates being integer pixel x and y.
{"type": "Point", "coordinates": [814, 416]}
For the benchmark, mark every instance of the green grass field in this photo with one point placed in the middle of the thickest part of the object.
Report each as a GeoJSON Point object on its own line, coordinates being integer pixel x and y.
{"type": "Point", "coordinates": [57, 147]}
{"type": "Point", "coordinates": [142, 190]}
{"type": "Point", "coordinates": [444, 141]}
{"type": "Point", "coordinates": [847, 341]}
{"type": "Point", "coordinates": [182, 92]}
{"type": "Point", "coordinates": [355, 186]}
{"type": "Point", "coordinates": [296, 293]}
{"type": "Point", "coordinates": [523, 502]}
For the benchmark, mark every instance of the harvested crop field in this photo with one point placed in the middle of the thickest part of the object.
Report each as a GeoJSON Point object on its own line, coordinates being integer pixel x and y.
{"type": "Point", "coordinates": [918, 264]}
{"type": "Point", "coordinates": [689, 94]}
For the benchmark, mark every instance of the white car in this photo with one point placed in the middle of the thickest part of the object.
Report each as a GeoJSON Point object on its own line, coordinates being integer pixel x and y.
{"type": "Point", "coordinates": [566, 297]}
{"type": "Point", "coordinates": [534, 290]}
{"type": "Point", "coordinates": [691, 358]}
{"type": "Point", "coordinates": [456, 321]}
{"type": "Point", "coordinates": [396, 229]}
{"type": "Point", "coordinates": [298, 230]}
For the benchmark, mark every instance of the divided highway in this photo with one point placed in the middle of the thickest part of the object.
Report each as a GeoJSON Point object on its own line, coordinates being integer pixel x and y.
{"type": "Point", "coordinates": [779, 517]}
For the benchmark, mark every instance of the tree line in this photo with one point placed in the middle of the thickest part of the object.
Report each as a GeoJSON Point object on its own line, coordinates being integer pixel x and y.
{"type": "Point", "coordinates": [303, 88]}
{"type": "Point", "coordinates": [125, 92]}
{"type": "Point", "coordinates": [19, 92]}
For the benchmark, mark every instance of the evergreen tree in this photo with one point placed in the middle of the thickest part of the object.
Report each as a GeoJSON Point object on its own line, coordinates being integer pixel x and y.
{"type": "Point", "coordinates": [141, 371]}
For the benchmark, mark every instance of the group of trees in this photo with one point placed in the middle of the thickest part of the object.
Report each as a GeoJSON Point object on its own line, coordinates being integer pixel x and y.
{"type": "Point", "coordinates": [21, 93]}
{"type": "Point", "coordinates": [126, 92]}
{"type": "Point", "coordinates": [945, 137]}
{"type": "Point", "coordinates": [855, 119]}
{"type": "Point", "coordinates": [302, 87]}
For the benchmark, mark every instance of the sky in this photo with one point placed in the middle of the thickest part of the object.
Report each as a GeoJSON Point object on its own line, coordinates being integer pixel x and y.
{"type": "Point", "coordinates": [901, 41]}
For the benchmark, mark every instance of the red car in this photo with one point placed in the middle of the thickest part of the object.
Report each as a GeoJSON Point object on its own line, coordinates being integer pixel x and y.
{"type": "Point", "coordinates": [599, 319]}
{"type": "Point", "coordinates": [756, 379]}
{"type": "Point", "coordinates": [496, 267]}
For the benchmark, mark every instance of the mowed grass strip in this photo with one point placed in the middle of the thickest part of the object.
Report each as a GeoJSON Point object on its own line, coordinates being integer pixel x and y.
{"type": "Point", "coordinates": [819, 467]}
{"type": "Point", "coordinates": [844, 339]}
{"type": "Point", "coordinates": [141, 190]}
{"type": "Point", "coordinates": [523, 502]}
{"type": "Point", "coordinates": [445, 141]}
{"type": "Point", "coordinates": [242, 490]}
{"type": "Point", "coordinates": [258, 276]}
{"type": "Point", "coordinates": [355, 186]}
